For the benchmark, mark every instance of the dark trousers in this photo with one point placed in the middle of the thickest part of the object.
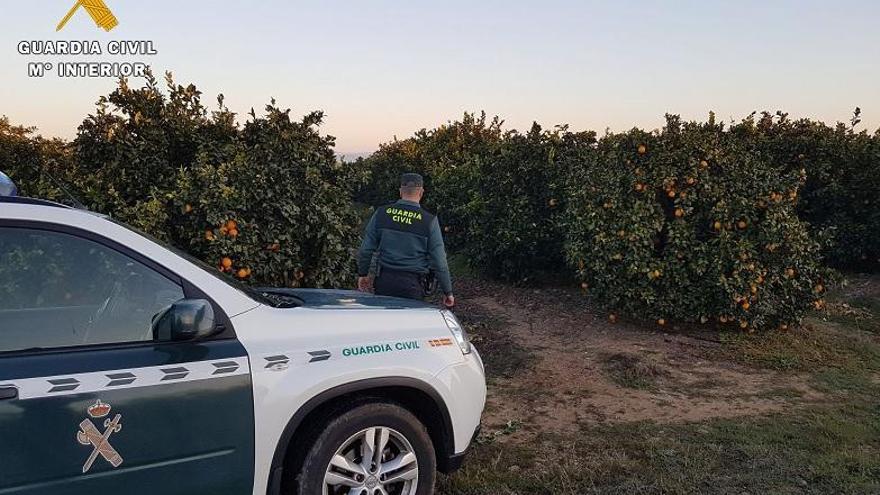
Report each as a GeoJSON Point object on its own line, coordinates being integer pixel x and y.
{"type": "Point", "coordinates": [399, 284]}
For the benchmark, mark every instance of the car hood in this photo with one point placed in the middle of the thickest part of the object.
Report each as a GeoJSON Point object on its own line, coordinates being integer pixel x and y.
{"type": "Point", "coordinates": [342, 299]}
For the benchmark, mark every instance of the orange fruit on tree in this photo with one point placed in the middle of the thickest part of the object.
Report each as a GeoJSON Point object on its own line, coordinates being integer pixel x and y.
{"type": "Point", "coordinates": [691, 181]}
{"type": "Point", "coordinates": [226, 263]}
{"type": "Point", "coordinates": [746, 305]}
{"type": "Point", "coordinates": [612, 318]}
{"type": "Point", "coordinates": [209, 235]}
{"type": "Point", "coordinates": [671, 193]}
{"type": "Point", "coordinates": [242, 273]}
{"type": "Point", "coordinates": [819, 288]}
{"type": "Point", "coordinates": [642, 149]}
{"type": "Point", "coordinates": [233, 232]}
{"type": "Point", "coordinates": [741, 224]}
{"type": "Point", "coordinates": [789, 272]}
{"type": "Point", "coordinates": [704, 164]}
{"type": "Point", "coordinates": [717, 225]}
{"type": "Point", "coordinates": [639, 187]}
{"type": "Point", "coordinates": [231, 224]}
{"type": "Point", "coordinates": [679, 212]}
{"type": "Point", "coordinates": [661, 322]}
{"type": "Point", "coordinates": [187, 208]}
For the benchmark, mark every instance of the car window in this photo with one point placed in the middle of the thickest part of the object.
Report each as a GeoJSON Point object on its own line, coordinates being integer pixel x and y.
{"type": "Point", "coordinates": [258, 295]}
{"type": "Point", "coordinates": [59, 290]}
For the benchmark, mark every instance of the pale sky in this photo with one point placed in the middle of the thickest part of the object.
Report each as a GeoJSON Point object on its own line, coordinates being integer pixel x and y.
{"type": "Point", "coordinates": [385, 68]}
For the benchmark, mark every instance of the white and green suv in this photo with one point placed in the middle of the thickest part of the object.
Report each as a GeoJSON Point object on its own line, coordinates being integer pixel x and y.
{"type": "Point", "coordinates": [128, 368]}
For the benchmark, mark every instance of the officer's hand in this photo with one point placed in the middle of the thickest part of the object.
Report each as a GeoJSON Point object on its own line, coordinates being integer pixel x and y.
{"type": "Point", "coordinates": [449, 300]}
{"type": "Point", "coordinates": [365, 284]}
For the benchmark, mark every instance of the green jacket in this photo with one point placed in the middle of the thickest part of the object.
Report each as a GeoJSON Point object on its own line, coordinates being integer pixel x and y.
{"type": "Point", "coordinates": [407, 238]}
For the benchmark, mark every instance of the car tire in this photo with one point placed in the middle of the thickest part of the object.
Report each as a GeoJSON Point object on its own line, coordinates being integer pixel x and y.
{"type": "Point", "coordinates": [346, 435]}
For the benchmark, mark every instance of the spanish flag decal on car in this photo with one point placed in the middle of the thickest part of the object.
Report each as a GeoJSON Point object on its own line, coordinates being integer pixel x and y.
{"type": "Point", "coordinates": [440, 342]}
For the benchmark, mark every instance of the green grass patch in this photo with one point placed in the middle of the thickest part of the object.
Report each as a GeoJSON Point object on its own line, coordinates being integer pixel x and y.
{"type": "Point", "coordinates": [829, 450]}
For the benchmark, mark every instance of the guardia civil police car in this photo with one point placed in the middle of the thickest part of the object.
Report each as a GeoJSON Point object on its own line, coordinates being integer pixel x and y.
{"type": "Point", "coordinates": [128, 368]}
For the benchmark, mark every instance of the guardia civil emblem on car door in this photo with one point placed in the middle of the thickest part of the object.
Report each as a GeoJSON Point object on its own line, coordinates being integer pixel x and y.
{"type": "Point", "coordinates": [89, 434]}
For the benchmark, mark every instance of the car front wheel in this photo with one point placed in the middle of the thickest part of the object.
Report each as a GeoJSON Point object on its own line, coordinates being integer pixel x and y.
{"type": "Point", "coordinates": [373, 449]}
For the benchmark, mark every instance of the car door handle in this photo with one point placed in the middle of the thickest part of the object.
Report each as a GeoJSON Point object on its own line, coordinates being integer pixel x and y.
{"type": "Point", "coordinates": [8, 393]}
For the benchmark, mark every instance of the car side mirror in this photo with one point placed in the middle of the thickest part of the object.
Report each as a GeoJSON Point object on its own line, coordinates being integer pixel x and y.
{"type": "Point", "coordinates": [187, 319]}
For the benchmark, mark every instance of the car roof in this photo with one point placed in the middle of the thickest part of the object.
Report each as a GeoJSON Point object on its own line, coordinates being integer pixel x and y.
{"type": "Point", "coordinates": [31, 201]}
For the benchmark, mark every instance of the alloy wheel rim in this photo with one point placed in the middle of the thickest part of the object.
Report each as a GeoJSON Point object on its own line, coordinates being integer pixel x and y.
{"type": "Point", "coordinates": [374, 461]}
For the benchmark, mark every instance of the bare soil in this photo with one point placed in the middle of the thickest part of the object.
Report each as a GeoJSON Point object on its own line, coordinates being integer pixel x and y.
{"type": "Point", "coordinates": [556, 366]}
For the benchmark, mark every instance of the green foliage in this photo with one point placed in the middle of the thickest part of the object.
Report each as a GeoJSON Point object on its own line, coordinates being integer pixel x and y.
{"type": "Point", "coordinates": [498, 194]}
{"type": "Point", "coordinates": [25, 157]}
{"type": "Point", "coordinates": [450, 158]}
{"type": "Point", "coordinates": [164, 164]}
{"type": "Point", "coordinates": [512, 218]}
{"type": "Point", "coordinates": [689, 224]}
{"type": "Point", "coordinates": [843, 176]}
{"type": "Point", "coordinates": [705, 223]}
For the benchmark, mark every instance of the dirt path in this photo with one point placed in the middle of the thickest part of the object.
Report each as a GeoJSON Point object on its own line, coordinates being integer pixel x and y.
{"type": "Point", "coordinates": [554, 366]}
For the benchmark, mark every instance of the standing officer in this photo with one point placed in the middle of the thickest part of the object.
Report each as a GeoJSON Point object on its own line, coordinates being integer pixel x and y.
{"type": "Point", "coordinates": [410, 246]}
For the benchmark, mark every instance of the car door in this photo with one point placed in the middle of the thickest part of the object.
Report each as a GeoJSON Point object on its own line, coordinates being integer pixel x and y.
{"type": "Point", "coordinates": [90, 401]}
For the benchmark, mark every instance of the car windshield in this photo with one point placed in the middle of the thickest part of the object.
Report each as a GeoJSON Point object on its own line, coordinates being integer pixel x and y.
{"type": "Point", "coordinates": [273, 299]}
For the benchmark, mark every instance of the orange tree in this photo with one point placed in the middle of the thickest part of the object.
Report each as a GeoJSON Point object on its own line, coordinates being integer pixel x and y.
{"type": "Point", "coordinates": [689, 224]}
{"type": "Point", "coordinates": [275, 206]}
{"type": "Point", "coordinates": [498, 194]}
{"type": "Point", "coordinates": [843, 176]}
{"type": "Point", "coordinates": [515, 203]}
{"type": "Point", "coordinates": [266, 201]}
{"type": "Point", "coordinates": [26, 157]}
{"type": "Point", "coordinates": [449, 157]}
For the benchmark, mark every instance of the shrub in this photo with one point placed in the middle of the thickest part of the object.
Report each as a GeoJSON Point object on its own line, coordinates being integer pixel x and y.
{"type": "Point", "coordinates": [516, 202]}
{"type": "Point", "coordinates": [276, 204]}
{"type": "Point", "coordinates": [843, 176]}
{"type": "Point", "coordinates": [269, 195]}
{"type": "Point", "coordinates": [449, 157]}
{"type": "Point", "coordinates": [498, 194]}
{"type": "Point", "coordinates": [690, 224]}
{"type": "Point", "coordinates": [26, 156]}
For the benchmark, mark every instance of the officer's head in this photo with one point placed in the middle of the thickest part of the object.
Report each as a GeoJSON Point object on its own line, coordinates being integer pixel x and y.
{"type": "Point", "coordinates": [412, 187]}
